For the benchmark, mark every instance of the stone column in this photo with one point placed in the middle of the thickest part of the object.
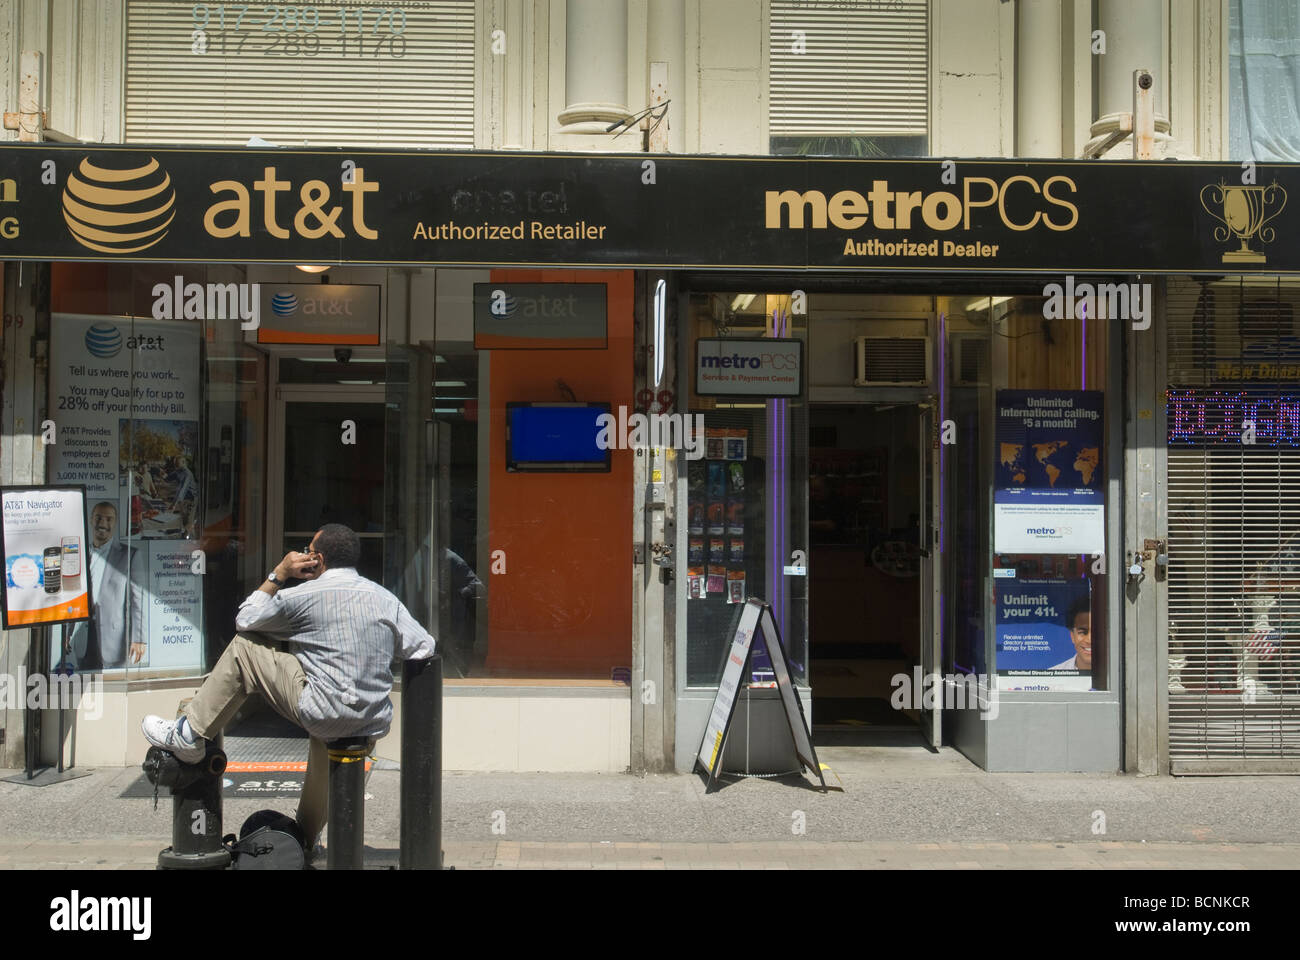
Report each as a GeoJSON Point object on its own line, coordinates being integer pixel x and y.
{"type": "Point", "coordinates": [595, 65]}
{"type": "Point", "coordinates": [1134, 38]}
{"type": "Point", "coordinates": [1038, 78]}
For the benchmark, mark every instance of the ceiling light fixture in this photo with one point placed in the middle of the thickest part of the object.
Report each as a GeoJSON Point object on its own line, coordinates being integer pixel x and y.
{"type": "Point", "coordinates": [984, 303]}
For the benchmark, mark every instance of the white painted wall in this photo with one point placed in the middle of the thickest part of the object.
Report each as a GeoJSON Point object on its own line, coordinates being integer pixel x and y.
{"type": "Point", "coordinates": [973, 95]}
{"type": "Point", "coordinates": [82, 79]}
{"type": "Point", "coordinates": [722, 58]}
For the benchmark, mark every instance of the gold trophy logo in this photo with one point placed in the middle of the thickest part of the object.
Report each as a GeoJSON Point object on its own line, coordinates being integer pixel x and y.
{"type": "Point", "coordinates": [1245, 215]}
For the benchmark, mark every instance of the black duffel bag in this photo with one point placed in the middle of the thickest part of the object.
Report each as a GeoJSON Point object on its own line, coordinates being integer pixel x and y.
{"type": "Point", "coordinates": [267, 841]}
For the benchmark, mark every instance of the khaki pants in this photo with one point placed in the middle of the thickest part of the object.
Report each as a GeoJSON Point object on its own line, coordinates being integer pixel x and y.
{"type": "Point", "coordinates": [252, 665]}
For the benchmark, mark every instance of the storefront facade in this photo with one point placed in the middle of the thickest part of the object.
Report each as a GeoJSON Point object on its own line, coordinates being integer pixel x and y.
{"type": "Point", "coordinates": [884, 489]}
{"type": "Point", "coordinates": [322, 324]}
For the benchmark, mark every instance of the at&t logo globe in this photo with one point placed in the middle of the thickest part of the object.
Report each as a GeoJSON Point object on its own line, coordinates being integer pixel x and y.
{"type": "Point", "coordinates": [119, 211]}
{"type": "Point", "coordinates": [284, 304]}
{"type": "Point", "coordinates": [103, 340]}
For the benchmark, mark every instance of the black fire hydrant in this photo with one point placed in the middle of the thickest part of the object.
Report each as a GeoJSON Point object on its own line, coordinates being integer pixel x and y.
{"type": "Point", "coordinates": [196, 808]}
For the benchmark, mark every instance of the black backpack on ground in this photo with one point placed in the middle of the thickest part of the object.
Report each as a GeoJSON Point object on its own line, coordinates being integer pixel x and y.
{"type": "Point", "coordinates": [267, 841]}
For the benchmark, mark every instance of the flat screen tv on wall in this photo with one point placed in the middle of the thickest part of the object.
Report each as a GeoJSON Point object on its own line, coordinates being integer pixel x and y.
{"type": "Point", "coordinates": [555, 438]}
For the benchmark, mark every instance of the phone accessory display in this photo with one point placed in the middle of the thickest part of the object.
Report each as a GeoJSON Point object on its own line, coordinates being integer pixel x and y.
{"type": "Point", "coordinates": [695, 583]}
{"type": "Point", "coordinates": [736, 517]}
{"type": "Point", "coordinates": [696, 474]}
{"type": "Point", "coordinates": [695, 521]}
{"type": "Point", "coordinates": [717, 518]}
{"type": "Point", "coordinates": [716, 489]}
{"type": "Point", "coordinates": [736, 477]}
{"type": "Point", "coordinates": [717, 481]}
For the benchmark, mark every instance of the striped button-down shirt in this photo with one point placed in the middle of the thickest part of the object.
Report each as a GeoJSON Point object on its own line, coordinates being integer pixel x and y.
{"type": "Point", "coordinates": [346, 631]}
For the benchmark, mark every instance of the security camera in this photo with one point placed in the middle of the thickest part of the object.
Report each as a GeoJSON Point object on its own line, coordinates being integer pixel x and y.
{"type": "Point", "coordinates": [342, 354]}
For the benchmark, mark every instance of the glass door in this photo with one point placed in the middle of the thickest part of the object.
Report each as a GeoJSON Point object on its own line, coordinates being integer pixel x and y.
{"type": "Point", "coordinates": [328, 467]}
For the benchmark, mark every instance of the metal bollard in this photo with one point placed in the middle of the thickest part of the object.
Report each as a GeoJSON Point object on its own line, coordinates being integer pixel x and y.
{"type": "Point", "coordinates": [347, 810]}
{"type": "Point", "coordinates": [196, 808]}
{"type": "Point", "coordinates": [420, 844]}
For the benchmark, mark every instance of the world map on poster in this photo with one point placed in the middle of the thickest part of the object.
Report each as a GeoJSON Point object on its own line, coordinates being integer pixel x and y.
{"type": "Point", "coordinates": [1047, 462]}
{"type": "Point", "coordinates": [1049, 489]}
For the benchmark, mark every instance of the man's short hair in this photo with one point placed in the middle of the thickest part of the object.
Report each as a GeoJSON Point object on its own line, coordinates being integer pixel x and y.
{"type": "Point", "coordinates": [104, 503]}
{"type": "Point", "coordinates": [1081, 605]}
{"type": "Point", "coordinates": [339, 545]}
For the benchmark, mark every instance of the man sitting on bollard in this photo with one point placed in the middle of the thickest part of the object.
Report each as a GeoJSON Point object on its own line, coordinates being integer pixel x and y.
{"type": "Point", "coordinates": [345, 632]}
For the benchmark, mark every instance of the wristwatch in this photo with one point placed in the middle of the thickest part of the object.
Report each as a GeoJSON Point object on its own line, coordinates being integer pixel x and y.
{"type": "Point", "coordinates": [274, 579]}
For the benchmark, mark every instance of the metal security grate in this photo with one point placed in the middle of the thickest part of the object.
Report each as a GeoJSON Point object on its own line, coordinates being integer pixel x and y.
{"type": "Point", "coordinates": [1234, 526]}
{"type": "Point", "coordinates": [844, 69]}
{"type": "Point", "coordinates": [329, 73]}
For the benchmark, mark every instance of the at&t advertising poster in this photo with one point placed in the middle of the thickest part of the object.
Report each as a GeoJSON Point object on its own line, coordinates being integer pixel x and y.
{"type": "Point", "coordinates": [125, 395]}
{"type": "Point", "coordinates": [45, 556]}
{"type": "Point", "coordinates": [1049, 494]}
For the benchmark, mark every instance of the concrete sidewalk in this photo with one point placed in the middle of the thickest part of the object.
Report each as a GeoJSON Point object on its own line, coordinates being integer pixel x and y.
{"type": "Point", "coordinates": [902, 807]}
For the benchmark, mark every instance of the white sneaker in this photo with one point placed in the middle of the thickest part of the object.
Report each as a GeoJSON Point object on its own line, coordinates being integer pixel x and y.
{"type": "Point", "coordinates": [165, 735]}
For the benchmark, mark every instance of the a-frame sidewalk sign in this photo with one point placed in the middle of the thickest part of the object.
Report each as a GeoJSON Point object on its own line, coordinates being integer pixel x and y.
{"type": "Point", "coordinates": [755, 621]}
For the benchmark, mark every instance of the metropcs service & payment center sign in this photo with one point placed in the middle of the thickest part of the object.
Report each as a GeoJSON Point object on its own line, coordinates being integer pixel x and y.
{"type": "Point", "coordinates": [763, 367]}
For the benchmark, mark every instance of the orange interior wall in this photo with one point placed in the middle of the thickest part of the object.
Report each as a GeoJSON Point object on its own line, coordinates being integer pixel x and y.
{"type": "Point", "coordinates": [80, 288]}
{"type": "Point", "coordinates": [563, 607]}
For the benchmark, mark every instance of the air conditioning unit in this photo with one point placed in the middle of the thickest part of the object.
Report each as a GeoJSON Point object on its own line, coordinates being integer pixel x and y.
{"type": "Point", "coordinates": [892, 362]}
{"type": "Point", "coordinates": [970, 359]}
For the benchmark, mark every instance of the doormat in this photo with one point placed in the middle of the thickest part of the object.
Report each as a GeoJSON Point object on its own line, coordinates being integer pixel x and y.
{"type": "Point", "coordinates": [243, 780]}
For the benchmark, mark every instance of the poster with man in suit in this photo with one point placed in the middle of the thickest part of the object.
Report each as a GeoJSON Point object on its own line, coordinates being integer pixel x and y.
{"type": "Point", "coordinates": [114, 635]}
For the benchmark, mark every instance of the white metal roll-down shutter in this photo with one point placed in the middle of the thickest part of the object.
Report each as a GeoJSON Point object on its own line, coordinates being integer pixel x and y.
{"type": "Point", "coordinates": [403, 77]}
{"type": "Point", "coordinates": [848, 69]}
{"type": "Point", "coordinates": [1234, 525]}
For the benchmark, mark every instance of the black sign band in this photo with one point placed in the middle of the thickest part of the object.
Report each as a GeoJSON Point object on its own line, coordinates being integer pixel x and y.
{"type": "Point", "coordinates": [170, 204]}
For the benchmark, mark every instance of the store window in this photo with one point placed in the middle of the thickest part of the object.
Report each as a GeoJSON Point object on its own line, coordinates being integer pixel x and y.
{"type": "Point", "coordinates": [161, 415]}
{"type": "Point", "coordinates": [1050, 514]}
{"type": "Point", "coordinates": [215, 434]}
{"type": "Point", "coordinates": [1263, 80]}
{"type": "Point", "coordinates": [509, 519]}
{"type": "Point", "coordinates": [746, 525]}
